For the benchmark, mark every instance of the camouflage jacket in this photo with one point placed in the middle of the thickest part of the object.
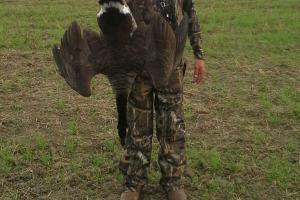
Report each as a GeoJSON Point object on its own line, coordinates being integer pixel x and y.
{"type": "Point", "coordinates": [194, 30]}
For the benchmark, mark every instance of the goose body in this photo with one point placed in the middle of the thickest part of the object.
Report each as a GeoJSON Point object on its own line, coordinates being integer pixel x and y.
{"type": "Point", "coordinates": [128, 43]}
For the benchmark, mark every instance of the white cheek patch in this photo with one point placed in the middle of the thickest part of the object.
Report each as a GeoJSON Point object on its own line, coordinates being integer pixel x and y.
{"type": "Point", "coordinates": [123, 9]}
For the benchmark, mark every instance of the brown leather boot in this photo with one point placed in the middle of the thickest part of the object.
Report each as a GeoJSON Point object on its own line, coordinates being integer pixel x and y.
{"type": "Point", "coordinates": [129, 195]}
{"type": "Point", "coordinates": [177, 195]}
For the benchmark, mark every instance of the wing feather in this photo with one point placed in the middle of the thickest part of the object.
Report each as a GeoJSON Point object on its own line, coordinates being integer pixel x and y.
{"type": "Point", "coordinates": [161, 63]}
{"type": "Point", "coordinates": [77, 58]}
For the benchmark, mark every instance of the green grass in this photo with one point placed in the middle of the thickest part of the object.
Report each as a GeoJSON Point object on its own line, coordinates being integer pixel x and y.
{"type": "Point", "coordinates": [214, 161]}
{"type": "Point", "coordinates": [70, 146]}
{"type": "Point", "coordinates": [243, 122]}
{"type": "Point", "coordinates": [260, 138]}
{"type": "Point", "coordinates": [98, 160]}
{"type": "Point", "coordinates": [279, 171]}
{"type": "Point", "coordinates": [72, 128]}
{"type": "Point", "coordinates": [6, 158]}
{"type": "Point", "coordinates": [41, 142]}
{"type": "Point", "coordinates": [60, 104]}
{"type": "Point", "coordinates": [27, 153]}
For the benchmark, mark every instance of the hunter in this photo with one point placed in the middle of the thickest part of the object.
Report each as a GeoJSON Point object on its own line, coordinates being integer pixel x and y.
{"type": "Point", "coordinates": [166, 103]}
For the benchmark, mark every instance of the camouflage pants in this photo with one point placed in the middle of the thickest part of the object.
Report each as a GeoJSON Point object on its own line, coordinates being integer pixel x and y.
{"type": "Point", "coordinates": [170, 128]}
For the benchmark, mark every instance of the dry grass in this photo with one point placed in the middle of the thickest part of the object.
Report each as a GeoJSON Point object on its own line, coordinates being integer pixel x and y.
{"type": "Point", "coordinates": [243, 123]}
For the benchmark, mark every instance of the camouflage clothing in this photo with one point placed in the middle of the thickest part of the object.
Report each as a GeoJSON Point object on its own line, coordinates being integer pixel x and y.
{"type": "Point", "coordinates": [170, 130]}
{"type": "Point", "coordinates": [194, 31]}
{"type": "Point", "coordinates": [145, 100]}
{"type": "Point", "coordinates": [173, 11]}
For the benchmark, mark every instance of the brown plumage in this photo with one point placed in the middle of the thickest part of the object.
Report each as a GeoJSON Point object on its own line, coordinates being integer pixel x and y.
{"type": "Point", "coordinates": [115, 52]}
{"type": "Point", "coordinates": [131, 40]}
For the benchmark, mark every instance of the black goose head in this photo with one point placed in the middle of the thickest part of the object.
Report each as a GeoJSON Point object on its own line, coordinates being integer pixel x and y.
{"type": "Point", "coordinates": [115, 19]}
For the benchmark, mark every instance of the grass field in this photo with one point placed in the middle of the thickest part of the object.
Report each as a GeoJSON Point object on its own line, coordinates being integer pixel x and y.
{"type": "Point", "coordinates": [243, 122]}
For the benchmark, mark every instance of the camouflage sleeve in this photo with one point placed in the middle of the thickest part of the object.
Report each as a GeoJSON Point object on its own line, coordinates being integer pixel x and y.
{"type": "Point", "coordinates": [194, 29]}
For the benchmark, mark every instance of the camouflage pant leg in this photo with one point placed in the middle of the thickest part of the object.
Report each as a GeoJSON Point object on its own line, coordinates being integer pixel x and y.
{"type": "Point", "coordinates": [171, 131]}
{"type": "Point", "coordinates": [136, 159]}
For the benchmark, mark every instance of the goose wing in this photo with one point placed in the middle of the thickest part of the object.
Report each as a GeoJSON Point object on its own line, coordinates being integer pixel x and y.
{"type": "Point", "coordinates": [80, 57]}
{"type": "Point", "coordinates": [160, 61]}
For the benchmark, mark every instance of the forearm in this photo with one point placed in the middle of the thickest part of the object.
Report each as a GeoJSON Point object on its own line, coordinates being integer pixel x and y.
{"type": "Point", "coordinates": [195, 31]}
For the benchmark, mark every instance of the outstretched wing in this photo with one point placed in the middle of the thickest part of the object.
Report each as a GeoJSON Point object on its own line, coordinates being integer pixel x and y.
{"type": "Point", "coordinates": [80, 57]}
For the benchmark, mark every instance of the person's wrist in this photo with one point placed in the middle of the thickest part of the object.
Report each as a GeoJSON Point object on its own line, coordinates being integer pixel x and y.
{"type": "Point", "coordinates": [199, 60]}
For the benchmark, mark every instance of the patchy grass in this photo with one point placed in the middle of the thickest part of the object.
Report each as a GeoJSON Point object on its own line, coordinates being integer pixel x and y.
{"type": "Point", "coordinates": [41, 142]}
{"type": "Point", "coordinates": [6, 158]}
{"type": "Point", "coordinates": [279, 172]}
{"type": "Point", "coordinates": [27, 153]}
{"type": "Point", "coordinates": [243, 123]}
{"type": "Point", "coordinates": [70, 146]}
{"type": "Point", "coordinates": [72, 128]}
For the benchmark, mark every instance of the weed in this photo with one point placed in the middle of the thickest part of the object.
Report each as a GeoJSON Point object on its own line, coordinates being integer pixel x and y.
{"type": "Point", "coordinates": [189, 112]}
{"type": "Point", "coordinates": [213, 186]}
{"type": "Point", "coordinates": [279, 171]}
{"type": "Point", "coordinates": [205, 196]}
{"type": "Point", "coordinates": [235, 167]}
{"type": "Point", "coordinates": [206, 159]}
{"type": "Point", "coordinates": [74, 166]}
{"type": "Point", "coordinates": [99, 177]}
{"type": "Point", "coordinates": [285, 96]}
{"type": "Point", "coordinates": [27, 153]}
{"type": "Point", "coordinates": [5, 167]}
{"type": "Point", "coordinates": [98, 160]}
{"type": "Point", "coordinates": [72, 128]}
{"type": "Point", "coordinates": [214, 161]}
{"type": "Point", "coordinates": [296, 110]}
{"type": "Point", "coordinates": [25, 82]}
{"type": "Point", "coordinates": [70, 146]}
{"type": "Point", "coordinates": [41, 142]}
{"type": "Point", "coordinates": [60, 104]}
{"type": "Point", "coordinates": [266, 102]}
{"type": "Point", "coordinates": [45, 158]}
{"type": "Point", "coordinates": [110, 146]}
{"type": "Point", "coordinates": [259, 137]}
{"type": "Point", "coordinates": [229, 189]}
{"type": "Point", "coordinates": [6, 153]}
{"type": "Point", "coordinates": [274, 119]}
{"type": "Point", "coordinates": [291, 147]}
{"type": "Point", "coordinates": [6, 158]}
{"type": "Point", "coordinates": [14, 196]}
{"type": "Point", "coordinates": [119, 178]}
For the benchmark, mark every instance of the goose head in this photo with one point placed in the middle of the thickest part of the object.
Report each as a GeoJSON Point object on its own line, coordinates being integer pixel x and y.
{"type": "Point", "coordinates": [115, 19]}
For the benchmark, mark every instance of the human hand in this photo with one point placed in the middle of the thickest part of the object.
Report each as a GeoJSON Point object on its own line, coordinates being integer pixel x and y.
{"type": "Point", "coordinates": [199, 71]}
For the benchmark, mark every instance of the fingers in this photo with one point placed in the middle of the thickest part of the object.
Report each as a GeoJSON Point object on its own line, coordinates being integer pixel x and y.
{"type": "Point", "coordinates": [199, 71]}
{"type": "Point", "coordinates": [198, 76]}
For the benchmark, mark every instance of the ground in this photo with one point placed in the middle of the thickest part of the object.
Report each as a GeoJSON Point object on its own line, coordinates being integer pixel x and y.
{"type": "Point", "coordinates": [243, 122]}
